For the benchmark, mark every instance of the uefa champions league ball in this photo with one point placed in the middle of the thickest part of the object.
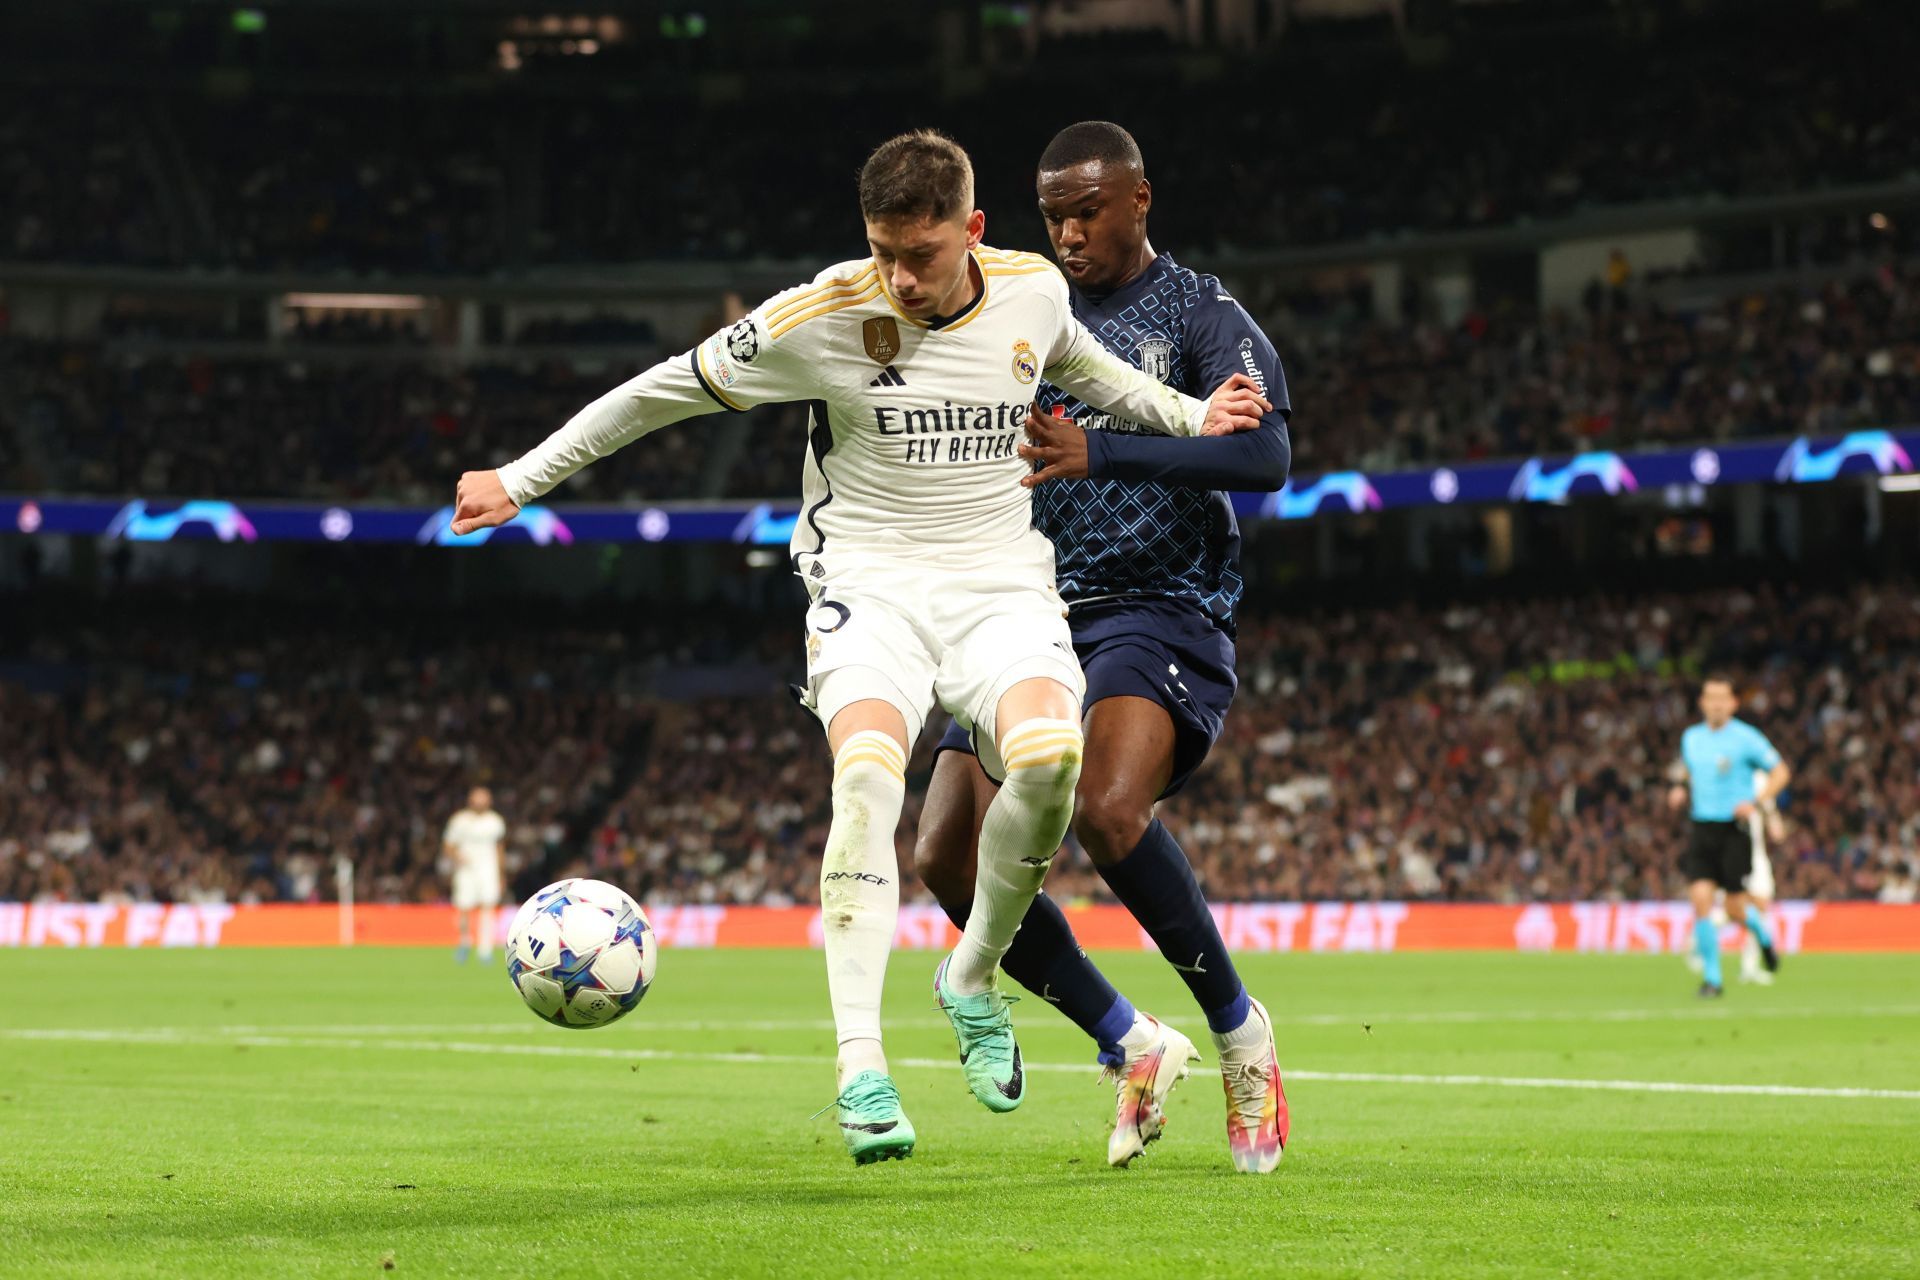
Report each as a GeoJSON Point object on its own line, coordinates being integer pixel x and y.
{"type": "Point", "coordinates": [581, 953]}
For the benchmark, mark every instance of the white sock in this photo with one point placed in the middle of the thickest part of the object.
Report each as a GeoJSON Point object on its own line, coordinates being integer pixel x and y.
{"type": "Point", "coordinates": [860, 1055]}
{"type": "Point", "coordinates": [1018, 838]}
{"type": "Point", "coordinates": [1142, 1033]}
{"type": "Point", "coordinates": [1251, 1034]}
{"type": "Point", "coordinates": [1750, 957]}
{"type": "Point", "coordinates": [860, 891]}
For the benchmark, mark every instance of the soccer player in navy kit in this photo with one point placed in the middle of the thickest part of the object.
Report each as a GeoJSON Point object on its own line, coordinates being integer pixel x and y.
{"type": "Point", "coordinates": [1146, 552]}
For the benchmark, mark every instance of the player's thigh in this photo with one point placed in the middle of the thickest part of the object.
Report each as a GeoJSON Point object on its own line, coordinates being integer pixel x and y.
{"type": "Point", "coordinates": [1759, 883]}
{"type": "Point", "coordinates": [948, 843]}
{"type": "Point", "coordinates": [1130, 755]}
{"type": "Point", "coordinates": [867, 668]}
{"type": "Point", "coordinates": [1735, 859]}
{"type": "Point", "coordinates": [1009, 657]}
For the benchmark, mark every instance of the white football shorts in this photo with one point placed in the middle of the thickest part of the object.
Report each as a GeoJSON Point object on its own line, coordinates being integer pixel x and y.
{"type": "Point", "coordinates": [1759, 881]}
{"type": "Point", "coordinates": [475, 888]}
{"type": "Point", "coordinates": [920, 634]}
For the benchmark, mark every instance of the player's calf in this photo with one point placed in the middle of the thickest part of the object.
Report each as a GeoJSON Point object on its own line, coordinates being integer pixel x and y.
{"type": "Point", "coordinates": [860, 891]}
{"type": "Point", "coordinates": [1018, 838]}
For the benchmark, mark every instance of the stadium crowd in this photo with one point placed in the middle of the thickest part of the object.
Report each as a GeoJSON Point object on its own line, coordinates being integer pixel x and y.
{"type": "Point", "coordinates": [1509, 750]}
{"type": "Point", "coordinates": [82, 419]}
{"type": "Point", "coordinates": [1371, 395]}
{"type": "Point", "coordinates": [1357, 145]}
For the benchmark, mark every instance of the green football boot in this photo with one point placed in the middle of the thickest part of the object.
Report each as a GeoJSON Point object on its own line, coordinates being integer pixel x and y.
{"type": "Point", "coordinates": [988, 1052]}
{"type": "Point", "coordinates": [871, 1121]}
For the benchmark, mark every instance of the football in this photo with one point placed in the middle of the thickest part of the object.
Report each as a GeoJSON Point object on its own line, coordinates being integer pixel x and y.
{"type": "Point", "coordinates": [581, 953]}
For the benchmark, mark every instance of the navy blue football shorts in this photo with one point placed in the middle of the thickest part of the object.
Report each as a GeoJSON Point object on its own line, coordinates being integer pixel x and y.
{"type": "Point", "coordinates": [1162, 650]}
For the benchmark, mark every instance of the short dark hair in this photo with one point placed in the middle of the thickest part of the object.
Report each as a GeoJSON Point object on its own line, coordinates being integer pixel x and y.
{"type": "Point", "coordinates": [923, 174]}
{"type": "Point", "coordinates": [1092, 140]}
{"type": "Point", "coordinates": [1718, 677]}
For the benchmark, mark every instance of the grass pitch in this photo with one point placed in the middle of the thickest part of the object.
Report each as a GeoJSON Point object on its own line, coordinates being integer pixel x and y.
{"type": "Point", "coordinates": [346, 1113]}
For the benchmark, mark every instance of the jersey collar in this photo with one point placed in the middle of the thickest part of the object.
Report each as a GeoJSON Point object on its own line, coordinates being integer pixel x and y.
{"type": "Point", "coordinates": [941, 324]}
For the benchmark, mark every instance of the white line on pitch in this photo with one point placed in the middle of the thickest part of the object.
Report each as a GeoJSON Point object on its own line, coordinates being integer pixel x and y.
{"type": "Point", "coordinates": [1378, 1021]}
{"type": "Point", "coordinates": [942, 1064]}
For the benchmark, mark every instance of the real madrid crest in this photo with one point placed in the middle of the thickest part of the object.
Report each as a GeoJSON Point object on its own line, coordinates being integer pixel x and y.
{"type": "Point", "coordinates": [1026, 365]}
{"type": "Point", "coordinates": [1156, 359]}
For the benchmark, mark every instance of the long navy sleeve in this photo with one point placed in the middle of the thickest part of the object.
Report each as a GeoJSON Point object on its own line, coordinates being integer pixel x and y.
{"type": "Point", "coordinates": [1251, 461]}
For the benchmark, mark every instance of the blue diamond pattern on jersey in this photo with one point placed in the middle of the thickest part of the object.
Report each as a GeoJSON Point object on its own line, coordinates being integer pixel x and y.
{"type": "Point", "coordinates": [1117, 537]}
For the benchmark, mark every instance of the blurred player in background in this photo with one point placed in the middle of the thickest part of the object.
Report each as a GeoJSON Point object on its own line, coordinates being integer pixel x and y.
{"type": "Point", "coordinates": [1764, 826]}
{"type": "Point", "coordinates": [1148, 553]}
{"type": "Point", "coordinates": [474, 848]}
{"type": "Point", "coordinates": [1721, 755]}
{"type": "Point", "coordinates": [929, 584]}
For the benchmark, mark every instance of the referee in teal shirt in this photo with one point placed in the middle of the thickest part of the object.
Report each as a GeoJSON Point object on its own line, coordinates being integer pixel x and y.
{"type": "Point", "coordinates": [1721, 755]}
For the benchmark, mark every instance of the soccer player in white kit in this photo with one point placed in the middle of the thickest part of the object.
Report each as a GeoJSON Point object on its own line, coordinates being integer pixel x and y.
{"type": "Point", "coordinates": [474, 844]}
{"type": "Point", "coordinates": [928, 583]}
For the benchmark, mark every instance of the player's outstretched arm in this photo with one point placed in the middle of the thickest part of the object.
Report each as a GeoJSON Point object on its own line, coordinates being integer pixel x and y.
{"type": "Point", "coordinates": [667, 393]}
{"type": "Point", "coordinates": [1255, 461]}
{"type": "Point", "coordinates": [1103, 380]}
{"type": "Point", "coordinates": [749, 363]}
{"type": "Point", "coordinates": [1076, 362]}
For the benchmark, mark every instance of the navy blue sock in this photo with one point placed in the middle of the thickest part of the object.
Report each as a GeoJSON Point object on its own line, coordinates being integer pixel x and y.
{"type": "Point", "coordinates": [1156, 883]}
{"type": "Point", "coordinates": [1046, 960]}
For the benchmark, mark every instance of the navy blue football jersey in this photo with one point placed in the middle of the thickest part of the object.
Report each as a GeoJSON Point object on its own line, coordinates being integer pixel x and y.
{"type": "Point", "coordinates": [1128, 530]}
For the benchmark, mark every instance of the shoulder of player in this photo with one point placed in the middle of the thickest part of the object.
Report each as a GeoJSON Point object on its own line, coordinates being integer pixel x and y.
{"type": "Point", "coordinates": [843, 285]}
{"type": "Point", "coordinates": [1207, 300]}
{"type": "Point", "coordinates": [998, 263]}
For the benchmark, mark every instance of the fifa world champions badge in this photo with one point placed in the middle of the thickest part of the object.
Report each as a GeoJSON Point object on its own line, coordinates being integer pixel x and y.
{"type": "Point", "coordinates": [1026, 365]}
{"type": "Point", "coordinates": [882, 339]}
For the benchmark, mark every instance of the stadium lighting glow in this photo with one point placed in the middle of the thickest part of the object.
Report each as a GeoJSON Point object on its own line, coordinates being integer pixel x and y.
{"type": "Point", "coordinates": [357, 301]}
{"type": "Point", "coordinates": [1900, 484]}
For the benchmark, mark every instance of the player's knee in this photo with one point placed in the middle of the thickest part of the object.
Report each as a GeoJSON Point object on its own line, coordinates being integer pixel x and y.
{"type": "Point", "coordinates": [940, 857]}
{"type": "Point", "coordinates": [1110, 825]}
{"type": "Point", "coordinates": [1042, 758]}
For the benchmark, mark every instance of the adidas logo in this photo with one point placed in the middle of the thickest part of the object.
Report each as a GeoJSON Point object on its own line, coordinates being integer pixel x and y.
{"type": "Point", "coordinates": [889, 377]}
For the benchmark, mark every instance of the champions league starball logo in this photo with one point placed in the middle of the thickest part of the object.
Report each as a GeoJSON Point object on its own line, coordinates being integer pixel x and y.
{"type": "Point", "coordinates": [1803, 464]}
{"type": "Point", "coordinates": [224, 520]}
{"type": "Point", "coordinates": [1537, 483]}
{"type": "Point", "coordinates": [743, 344]}
{"type": "Point", "coordinates": [538, 525]}
{"type": "Point", "coordinates": [1351, 488]}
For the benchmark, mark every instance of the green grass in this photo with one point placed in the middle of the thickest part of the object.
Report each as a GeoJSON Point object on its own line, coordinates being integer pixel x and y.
{"type": "Point", "coordinates": [342, 1134]}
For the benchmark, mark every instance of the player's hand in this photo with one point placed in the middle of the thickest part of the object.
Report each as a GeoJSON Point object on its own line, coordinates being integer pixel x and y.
{"type": "Point", "coordinates": [1743, 811]}
{"type": "Point", "coordinates": [1776, 828]}
{"type": "Point", "coordinates": [481, 502]}
{"type": "Point", "coordinates": [1058, 445]}
{"type": "Point", "coordinates": [1677, 798]}
{"type": "Point", "coordinates": [1236, 406]}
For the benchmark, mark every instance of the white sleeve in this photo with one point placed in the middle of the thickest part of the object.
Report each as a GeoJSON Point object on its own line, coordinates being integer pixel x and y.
{"type": "Point", "coordinates": [1076, 362]}
{"type": "Point", "coordinates": [737, 368]}
{"type": "Point", "coordinates": [451, 836]}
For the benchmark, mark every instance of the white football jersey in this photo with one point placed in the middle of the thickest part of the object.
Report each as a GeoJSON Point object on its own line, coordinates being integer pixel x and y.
{"type": "Point", "coordinates": [914, 428]}
{"type": "Point", "coordinates": [475, 837]}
